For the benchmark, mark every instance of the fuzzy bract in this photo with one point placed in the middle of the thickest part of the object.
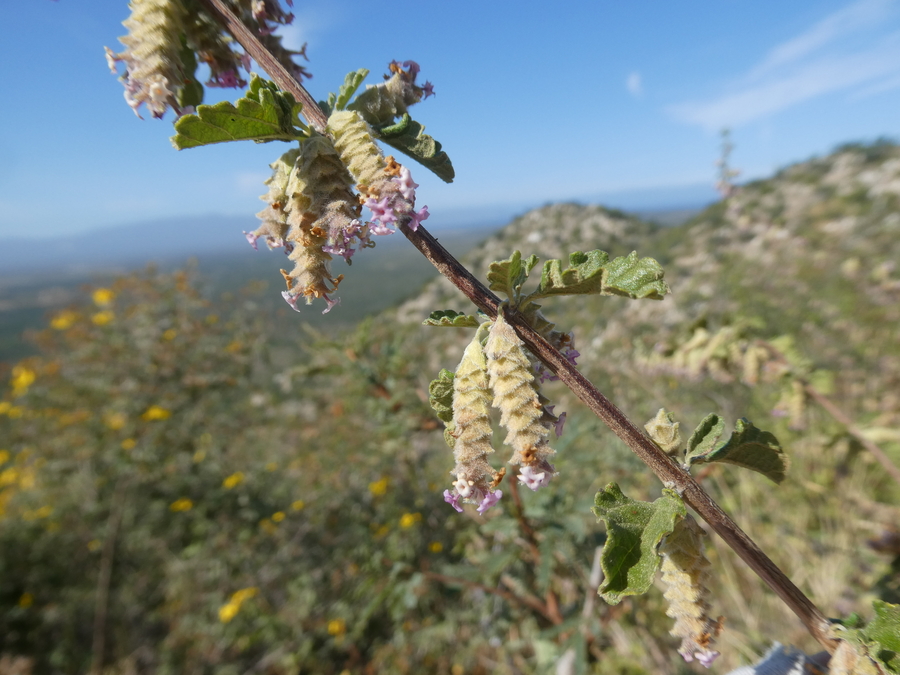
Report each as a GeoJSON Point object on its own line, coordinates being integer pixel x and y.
{"type": "Point", "coordinates": [513, 383]}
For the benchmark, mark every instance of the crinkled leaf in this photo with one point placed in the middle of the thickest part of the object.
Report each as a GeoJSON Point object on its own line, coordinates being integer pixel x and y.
{"type": "Point", "coordinates": [593, 272]}
{"type": "Point", "coordinates": [507, 276]}
{"type": "Point", "coordinates": [753, 449]}
{"type": "Point", "coordinates": [880, 639]}
{"type": "Point", "coordinates": [440, 395]}
{"type": "Point", "coordinates": [264, 114]}
{"type": "Point", "coordinates": [448, 317]}
{"type": "Point", "coordinates": [409, 137]}
{"type": "Point", "coordinates": [351, 84]}
{"type": "Point", "coordinates": [704, 439]}
{"type": "Point", "coordinates": [883, 635]}
{"type": "Point", "coordinates": [634, 530]}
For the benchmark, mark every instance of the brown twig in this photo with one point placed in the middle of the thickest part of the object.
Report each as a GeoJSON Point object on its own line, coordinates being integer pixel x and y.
{"type": "Point", "coordinates": [665, 469]}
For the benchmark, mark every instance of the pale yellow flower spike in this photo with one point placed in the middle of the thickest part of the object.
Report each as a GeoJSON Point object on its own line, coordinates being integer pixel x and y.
{"type": "Point", "coordinates": [685, 572]}
{"type": "Point", "coordinates": [471, 415]}
{"type": "Point", "coordinates": [356, 145]}
{"type": "Point", "coordinates": [512, 381]}
{"type": "Point", "coordinates": [274, 217]}
{"type": "Point", "coordinates": [154, 69]}
{"type": "Point", "coordinates": [321, 207]}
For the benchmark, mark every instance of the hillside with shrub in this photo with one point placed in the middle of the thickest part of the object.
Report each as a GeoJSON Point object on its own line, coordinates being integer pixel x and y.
{"type": "Point", "coordinates": [186, 487]}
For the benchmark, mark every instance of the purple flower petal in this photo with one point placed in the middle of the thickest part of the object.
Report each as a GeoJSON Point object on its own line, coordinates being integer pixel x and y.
{"type": "Point", "coordinates": [490, 499]}
{"type": "Point", "coordinates": [252, 237]}
{"type": "Point", "coordinates": [453, 500]}
{"type": "Point", "coordinates": [560, 423]}
{"type": "Point", "coordinates": [417, 217]}
{"type": "Point", "coordinates": [290, 299]}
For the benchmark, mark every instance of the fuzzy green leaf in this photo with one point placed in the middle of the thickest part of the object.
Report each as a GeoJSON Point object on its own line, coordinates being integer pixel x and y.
{"type": "Point", "coordinates": [880, 639]}
{"type": "Point", "coordinates": [507, 276]}
{"type": "Point", "coordinates": [264, 114]}
{"type": "Point", "coordinates": [594, 273]}
{"type": "Point", "coordinates": [750, 448]}
{"type": "Point", "coordinates": [448, 317]}
{"type": "Point", "coordinates": [884, 629]}
{"type": "Point", "coordinates": [351, 84]}
{"type": "Point", "coordinates": [440, 395]}
{"type": "Point", "coordinates": [634, 530]}
{"type": "Point", "coordinates": [409, 137]}
{"type": "Point", "coordinates": [704, 439]}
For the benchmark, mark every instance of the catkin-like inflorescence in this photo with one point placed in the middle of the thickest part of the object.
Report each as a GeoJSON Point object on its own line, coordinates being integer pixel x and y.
{"type": "Point", "coordinates": [381, 104]}
{"type": "Point", "coordinates": [685, 572]}
{"type": "Point", "coordinates": [521, 413]}
{"type": "Point", "coordinates": [321, 206]}
{"type": "Point", "coordinates": [153, 69]}
{"type": "Point", "coordinates": [475, 477]}
{"type": "Point", "coordinates": [355, 143]}
{"type": "Point", "coordinates": [274, 228]}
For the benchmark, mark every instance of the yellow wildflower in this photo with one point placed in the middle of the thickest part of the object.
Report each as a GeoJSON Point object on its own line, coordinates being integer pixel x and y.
{"type": "Point", "coordinates": [103, 296]}
{"type": "Point", "coordinates": [234, 347]}
{"type": "Point", "coordinates": [268, 526]}
{"type": "Point", "coordinates": [407, 520]}
{"type": "Point", "coordinates": [155, 412]}
{"type": "Point", "coordinates": [94, 545]}
{"type": "Point", "coordinates": [379, 487]}
{"type": "Point", "coordinates": [337, 627]}
{"type": "Point", "coordinates": [128, 443]}
{"type": "Point", "coordinates": [199, 456]}
{"type": "Point", "coordinates": [435, 547]}
{"type": "Point", "coordinates": [298, 505]}
{"type": "Point", "coordinates": [230, 609]}
{"type": "Point", "coordinates": [278, 516]}
{"type": "Point", "coordinates": [103, 318]}
{"type": "Point", "coordinates": [4, 456]}
{"type": "Point", "coordinates": [9, 476]}
{"type": "Point", "coordinates": [183, 504]}
{"type": "Point", "coordinates": [64, 320]}
{"type": "Point", "coordinates": [4, 407]}
{"type": "Point", "coordinates": [15, 412]}
{"type": "Point", "coordinates": [26, 600]}
{"type": "Point", "coordinates": [233, 480]}
{"type": "Point", "coordinates": [22, 378]}
{"type": "Point", "coordinates": [170, 334]}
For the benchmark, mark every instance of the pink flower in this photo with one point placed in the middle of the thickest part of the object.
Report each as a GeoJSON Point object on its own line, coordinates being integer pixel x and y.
{"type": "Point", "coordinates": [536, 476]}
{"type": "Point", "coordinates": [489, 500]}
{"type": "Point", "coordinates": [252, 238]}
{"type": "Point", "coordinates": [416, 218]}
{"type": "Point", "coordinates": [452, 498]}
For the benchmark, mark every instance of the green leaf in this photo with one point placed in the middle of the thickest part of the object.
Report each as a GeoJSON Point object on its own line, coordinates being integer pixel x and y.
{"type": "Point", "coordinates": [409, 137]}
{"type": "Point", "coordinates": [704, 439]}
{"type": "Point", "coordinates": [448, 317]}
{"type": "Point", "coordinates": [440, 395]}
{"type": "Point", "coordinates": [264, 114]}
{"type": "Point", "coordinates": [507, 276]}
{"type": "Point", "coordinates": [351, 84]}
{"type": "Point", "coordinates": [594, 273]}
{"type": "Point", "coordinates": [750, 448]}
{"type": "Point", "coordinates": [880, 639]}
{"type": "Point", "coordinates": [884, 629]}
{"type": "Point", "coordinates": [634, 530]}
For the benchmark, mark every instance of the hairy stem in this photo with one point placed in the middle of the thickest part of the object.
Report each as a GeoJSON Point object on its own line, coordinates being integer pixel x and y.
{"type": "Point", "coordinates": [665, 469]}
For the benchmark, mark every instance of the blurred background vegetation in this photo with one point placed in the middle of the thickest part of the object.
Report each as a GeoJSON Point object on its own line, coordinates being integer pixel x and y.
{"type": "Point", "coordinates": [196, 480]}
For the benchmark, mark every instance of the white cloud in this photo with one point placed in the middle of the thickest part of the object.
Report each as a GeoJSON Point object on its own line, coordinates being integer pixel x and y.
{"type": "Point", "coordinates": [635, 84]}
{"type": "Point", "coordinates": [811, 64]}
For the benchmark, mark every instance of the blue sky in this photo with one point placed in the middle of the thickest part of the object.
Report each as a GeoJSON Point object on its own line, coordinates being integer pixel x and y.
{"type": "Point", "coordinates": [598, 101]}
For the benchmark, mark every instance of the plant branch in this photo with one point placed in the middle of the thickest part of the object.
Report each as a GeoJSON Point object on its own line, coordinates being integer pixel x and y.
{"type": "Point", "coordinates": [311, 110]}
{"type": "Point", "coordinates": [665, 469]}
